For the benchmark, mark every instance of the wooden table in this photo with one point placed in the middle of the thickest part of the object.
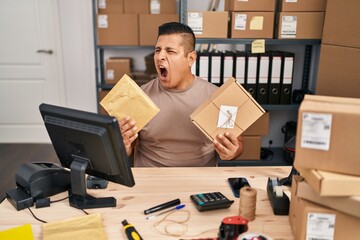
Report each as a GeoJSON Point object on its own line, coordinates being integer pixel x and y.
{"type": "Point", "coordinates": [159, 185]}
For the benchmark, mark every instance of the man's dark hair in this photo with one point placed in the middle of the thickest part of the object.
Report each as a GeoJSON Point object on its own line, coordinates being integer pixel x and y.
{"type": "Point", "coordinates": [181, 29]}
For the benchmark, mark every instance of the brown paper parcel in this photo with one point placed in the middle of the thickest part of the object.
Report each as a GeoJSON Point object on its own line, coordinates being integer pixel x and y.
{"type": "Point", "coordinates": [232, 94]}
{"type": "Point", "coordinates": [126, 98]}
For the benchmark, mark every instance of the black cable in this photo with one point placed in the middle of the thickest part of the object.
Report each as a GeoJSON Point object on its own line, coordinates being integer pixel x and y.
{"type": "Point", "coordinates": [36, 217]}
{"type": "Point", "coordinates": [84, 211]}
{"type": "Point", "coordinates": [59, 199]}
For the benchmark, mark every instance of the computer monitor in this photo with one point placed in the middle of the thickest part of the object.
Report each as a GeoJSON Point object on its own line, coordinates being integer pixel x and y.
{"type": "Point", "coordinates": [87, 143]}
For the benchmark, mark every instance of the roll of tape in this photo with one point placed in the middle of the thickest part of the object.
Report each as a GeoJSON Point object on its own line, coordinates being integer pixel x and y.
{"type": "Point", "coordinates": [253, 236]}
{"type": "Point", "coordinates": [278, 191]}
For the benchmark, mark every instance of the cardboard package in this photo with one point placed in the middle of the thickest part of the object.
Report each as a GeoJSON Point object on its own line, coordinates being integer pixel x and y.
{"type": "Point", "coordinates": [110, 6]}
{"type": "Point", "coordinates": [339, 72]}
{"type": "Point", "coordinates": [260, 127]}
{"type": "Point", "coordinates": [115, 68]}
{"type": "Point", "coordinates": [102, 94]}
{"type": "Point", "coordinates": [300, 25]}
{"type": "Point", "coordinates": [313, 221]}
{"type": "Point", "coordinates": [327, 134]}
{"type": "Point", "coordinates": [149, 24]}
{"type": "Point", "coordinates": [341, 23]}
{"type": "Point", "coordinates": [252, 25]}
{"type": "Point", "coordinates": [349, 205]}
{"type": "Point", "coordinates": [137, 6]}
{"type": "Point", "coordinates": [331, 184]}
{"type": "Point", "coordinates": [163, 7]}
{"type": "Point", "coordinates": [303, 6]}
{"type": "Point", "coordinates": [126, 98]}
{"type": "Point", "coordinates": [252, 148]}
{"type": "Point", "coordinates": [230, 109]}
{"type": "Point", "coordinates": [117, 29]}
{"type": "Point", "coordinates": [250, 5]}
{"type": "Point", "coordinates": [208, 24]}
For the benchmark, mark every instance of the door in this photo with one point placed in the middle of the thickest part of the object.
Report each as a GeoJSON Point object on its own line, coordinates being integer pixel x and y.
{"type": "Point", "coordinates": [30, 67]}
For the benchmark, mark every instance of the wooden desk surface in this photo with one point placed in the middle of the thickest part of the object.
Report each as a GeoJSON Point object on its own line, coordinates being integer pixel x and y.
{"type": "Point", "coordinates": [158, 185]}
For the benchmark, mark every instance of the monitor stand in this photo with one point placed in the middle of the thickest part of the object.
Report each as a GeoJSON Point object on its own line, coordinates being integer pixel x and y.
{"type": "Point", "coordinates": [287, 181]}
{"type": "Point", "coordinates": [78, 197]}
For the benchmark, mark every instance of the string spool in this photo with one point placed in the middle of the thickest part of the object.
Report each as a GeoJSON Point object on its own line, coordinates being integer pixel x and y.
{"type": "Point", "coordinates": [247, 203]}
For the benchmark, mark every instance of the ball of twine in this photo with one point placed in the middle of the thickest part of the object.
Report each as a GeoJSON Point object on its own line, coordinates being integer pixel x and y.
{"type": "Point", "coordinates": [247, 203]}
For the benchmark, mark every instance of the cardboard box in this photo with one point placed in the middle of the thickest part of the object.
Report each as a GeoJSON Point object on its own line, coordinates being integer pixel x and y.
{"type": "Point", "coordinates": [303, 6]}
{"type": "Point", "coordinates": [260, 127]}
{"type": "Point", "coordinates": [126, 98]}
{"type": "Point", "coordinates": [136, 6]}
{"type": "Point", "coordinates": [349, 205]}
{"type": "Point", "coordinates": [300, 25]}
{"type": "Point", "coordinates": [110, 6]}
{"type": "Point", "coordinates": [230, 109]}
{"type": "Point", "coordinates": [327, 134]}
{"type": "Point", "coordinates": [252, 148]}
{"type": "Point", "coordinates": [341, 23]}
{"type": "Point", "coordinates": [117, 29]}
{"type": "Point", "coordinates": [163, 7]}
{"type": "Point", "coordinates": [149, 24]}
{"type": "Point", "coordinates": [312, 221]}
{"type": "Point", "coordinates": [331, 184]}
{"type": "Point", "coordinates": [115, 68]}
{"type": "Point", "coordinates": [208, 24]}
{"type": "Point", "coordinates": [252, 25]}
{"type": "Point", "coordinates": [102, 94]}
{"type": "Point", "coordinates": [339, 72]}
{"type": "Point", "coordinates": [250, 5]}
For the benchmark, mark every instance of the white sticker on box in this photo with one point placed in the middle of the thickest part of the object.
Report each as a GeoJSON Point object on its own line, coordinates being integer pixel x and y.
{"type": "Point", "coordinates": [291, 1]}
{"type": "Point", "coordinates": [103, 21]}
{"type": "Point", "coordinates": [240, 21]}
{"type": "Point", "coordinates": [155, 7]}
{"type": "Point", "coordinates": [102, 4]}
{"type": "Point", "coordinates": [316, 131]}
{"type": "Point", "coordinates": [288, 26]}
{"type": "Point", "coordinates": [110, 75]}
{"type": "Point", "coordinates": [320, 226]}
{"type": "Point", "coordinates": [195, 21]}
{"type": "Point", "coordinates": [227, 116]}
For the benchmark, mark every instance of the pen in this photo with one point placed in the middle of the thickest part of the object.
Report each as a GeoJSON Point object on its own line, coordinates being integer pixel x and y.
{"type": "Point", "coordinates": [169, 210]}
{"type": "Point", "coordinates": [130, 231]}
{"type": "Point", "coordinates": [162, 206]}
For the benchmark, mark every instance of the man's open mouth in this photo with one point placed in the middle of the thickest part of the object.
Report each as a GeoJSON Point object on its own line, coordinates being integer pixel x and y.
{"type": "Point", "coordinates": [163, 71]}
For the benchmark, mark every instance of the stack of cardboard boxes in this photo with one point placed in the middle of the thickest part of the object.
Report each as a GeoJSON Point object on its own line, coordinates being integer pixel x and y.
{"type": "Point", "coordinates": [325, 200]}
{"type": "Point", "coordinates": [339, 72]}
{"type": "Point", "coordinates": [300, 19]}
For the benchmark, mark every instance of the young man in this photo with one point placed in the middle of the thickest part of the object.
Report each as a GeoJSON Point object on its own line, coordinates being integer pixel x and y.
{"type": "Point", "coordinates": [170, 138]}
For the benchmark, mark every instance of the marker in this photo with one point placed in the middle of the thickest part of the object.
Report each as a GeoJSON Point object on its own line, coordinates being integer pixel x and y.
{"type": "Point", "coordinates": [162, 206]}
{"type": "Point", "coordinates": [169, 210]}
{"type": "Point", "coordinates": [130, 231]}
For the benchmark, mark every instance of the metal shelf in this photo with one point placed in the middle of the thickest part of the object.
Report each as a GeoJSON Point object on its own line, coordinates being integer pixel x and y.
{"type": "Point", "coordinates": [267, 41]}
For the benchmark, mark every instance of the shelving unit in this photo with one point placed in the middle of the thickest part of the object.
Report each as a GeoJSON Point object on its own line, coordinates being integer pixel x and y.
{"type": "Point", "coordinates": [305, 74]}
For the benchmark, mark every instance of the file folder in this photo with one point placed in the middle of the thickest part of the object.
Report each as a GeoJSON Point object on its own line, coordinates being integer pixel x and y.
{"type": "Point", "coordinates": [287, 77]}
{"type": "Point", "coordinates": [204, 65]}
{"type": "Point", "coordinates": [275, 77]}
{"type": "Point", "coordinates": [229, 68]}
{"type": "Point", "coordinates": [263, 79]}
{"type": "Point", "coordinates": [216, 65]}
{"type": "Point", "coordinates": [240, 67]}
{"type": "Point", "coordinates": [252, 74]}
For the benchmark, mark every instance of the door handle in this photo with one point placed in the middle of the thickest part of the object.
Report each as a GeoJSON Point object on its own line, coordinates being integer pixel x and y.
{"type": "Point", "coordinates": [45, 51]}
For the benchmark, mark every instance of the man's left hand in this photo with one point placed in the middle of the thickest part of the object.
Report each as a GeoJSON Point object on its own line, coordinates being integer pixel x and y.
{"type": "Point", "coordinates": [228, 146]}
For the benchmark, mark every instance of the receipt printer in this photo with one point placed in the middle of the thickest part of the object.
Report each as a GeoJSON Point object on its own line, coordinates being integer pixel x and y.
{"type": "Point", "coordinates": [35, 181]}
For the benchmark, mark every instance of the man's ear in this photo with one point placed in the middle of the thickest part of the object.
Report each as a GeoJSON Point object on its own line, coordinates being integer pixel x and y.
{"type": "Point", "coordinates": [191, 58]}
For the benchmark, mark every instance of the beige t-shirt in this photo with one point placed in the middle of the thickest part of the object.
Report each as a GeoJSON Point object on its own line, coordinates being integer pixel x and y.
{"type": "Point", "coordinates": [170, 138]}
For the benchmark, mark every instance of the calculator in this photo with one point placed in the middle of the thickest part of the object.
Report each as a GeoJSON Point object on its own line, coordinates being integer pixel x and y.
{"type": "Point", "coordinates": [210, 201]}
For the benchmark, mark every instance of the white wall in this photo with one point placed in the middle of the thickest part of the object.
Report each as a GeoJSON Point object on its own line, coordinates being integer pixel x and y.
{"type": "Point", "coordinates": [77, 42]}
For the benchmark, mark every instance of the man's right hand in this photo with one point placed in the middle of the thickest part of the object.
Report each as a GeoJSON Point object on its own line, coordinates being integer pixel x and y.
{"type": "Point", "coordinates": [128, 133]}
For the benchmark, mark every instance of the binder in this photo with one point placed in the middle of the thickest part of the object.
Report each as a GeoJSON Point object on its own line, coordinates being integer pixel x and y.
{"type": "Point", "coordinates": [229, 65]}
{"type": "Point", "coordinates": [275, 77]}
{"type": "Point", "coordinates": [216, 65]}
{"type": "Point", "coordinates": [204, 65]}
{"type": "Point", "coordinates": [263, 79]}
{"type": "Point", "coordinates": [240, 67]}
{"type": "Point", "coordinates": [252, 74]}
{"type": "Point", "coordinates": [287, 77]}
